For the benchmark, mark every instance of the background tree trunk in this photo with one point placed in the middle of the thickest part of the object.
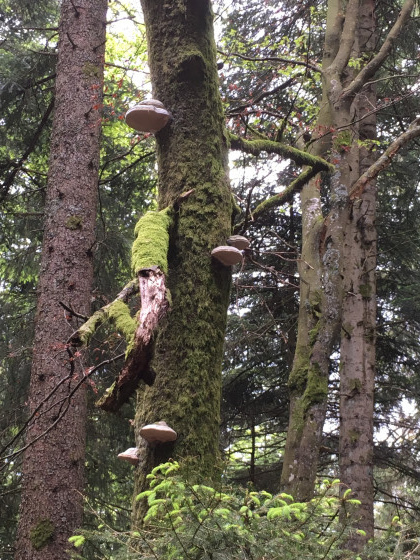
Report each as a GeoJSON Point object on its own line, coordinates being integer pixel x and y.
{"type": "Point", "coordinates": [357, 367]}
{"type": "Point", "coordinates": [192, 154]}
{"type": "Point", "coordinates": [320, 287]}
{"type": "Point", "coordinates": [51, 507]}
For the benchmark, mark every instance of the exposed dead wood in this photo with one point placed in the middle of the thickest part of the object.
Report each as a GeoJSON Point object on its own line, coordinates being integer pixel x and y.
{"type": "Point", "coordinates": [154, 306]}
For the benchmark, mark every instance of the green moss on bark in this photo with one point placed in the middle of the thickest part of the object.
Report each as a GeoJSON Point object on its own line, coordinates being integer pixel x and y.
{"type": "Point", "coordinates": [150, 247]}
{"type": "Point", "coordinates": [74, 222]}
{"type": "Point", "coordinates": [42, 533]}
{"type": "Point", "coordinates": [119, 313]}
{"type": "Point", "coordinates": [192, 156]}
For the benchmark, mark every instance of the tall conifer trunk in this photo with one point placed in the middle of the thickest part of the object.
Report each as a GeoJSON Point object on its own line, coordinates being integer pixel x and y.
{"type": "Point", "coordinates": [192, 156]}
{"type": "Point", "coordinates": [357, 365]}
{"type": "Point", "coordinates": [320, 272]}
{"type": "Point", "coordinates": [51, 507]}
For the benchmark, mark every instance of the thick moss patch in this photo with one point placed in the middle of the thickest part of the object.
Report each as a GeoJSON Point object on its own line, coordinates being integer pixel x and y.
{"type": "Point", "coordinates": [150, 247]}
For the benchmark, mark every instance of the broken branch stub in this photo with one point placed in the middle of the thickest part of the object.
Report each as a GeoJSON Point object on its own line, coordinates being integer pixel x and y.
{"type": "Point", "coordinates": [154, 305]}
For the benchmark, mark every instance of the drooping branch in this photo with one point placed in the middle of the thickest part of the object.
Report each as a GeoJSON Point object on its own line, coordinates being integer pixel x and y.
{"type": "Point", "coordinates": [255, 147]}
{"type": "Point", "coordinates": [31, 147]}
{"type": "Point", "coordinates": [371, 68]}
{"type": "Point", "coordinates": [385, 159]}
{"type": "Point", "coordinates": [253, 101]}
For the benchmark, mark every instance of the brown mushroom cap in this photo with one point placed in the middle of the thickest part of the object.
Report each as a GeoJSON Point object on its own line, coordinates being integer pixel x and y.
{"type": "Point", "coordinates": [227, 255]}
{"type": "Point", "coordinates": [159, 432]}
{"type": "Point", "coordinates": [147, 117]}
{"type": "Point", "coordinates": [238, 241]}
{"type": "Point", "coordinates": [129, 455]}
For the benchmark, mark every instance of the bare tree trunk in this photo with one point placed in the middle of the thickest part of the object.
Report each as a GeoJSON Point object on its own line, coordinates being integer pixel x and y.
{"type": "Point", "coordinates": [192, 155]}
{"type": "Point", "coordinates": [357, 371]}
{"type": "Point", "coordinates": [320, 289]}
{"type": "Point", "coordinates": [51, 507]}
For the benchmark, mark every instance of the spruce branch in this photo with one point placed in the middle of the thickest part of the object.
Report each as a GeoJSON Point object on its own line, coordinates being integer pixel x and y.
{"type": "Point", "coordinates": [294, 62]}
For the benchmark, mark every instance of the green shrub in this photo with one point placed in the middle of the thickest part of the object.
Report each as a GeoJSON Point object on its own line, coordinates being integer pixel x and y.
{"type": "Point", "coordinates": [186, 521]}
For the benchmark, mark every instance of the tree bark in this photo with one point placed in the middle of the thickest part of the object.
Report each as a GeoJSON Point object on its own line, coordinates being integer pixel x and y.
{"type": "Point", "coordinates": [51, 507]}
{"type": "Point", "coordinates": [320, 281]}
{"type": "Point", "coordinates": [192, 154]}
{"type": "Point", "coordinates": [357, 351]}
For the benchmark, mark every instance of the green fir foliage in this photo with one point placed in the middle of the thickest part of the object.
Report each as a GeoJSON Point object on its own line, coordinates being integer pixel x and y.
{"type": "Point", "coordinates": [187, 521]}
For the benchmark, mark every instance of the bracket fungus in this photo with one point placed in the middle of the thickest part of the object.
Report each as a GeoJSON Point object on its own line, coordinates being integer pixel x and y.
{"type": "Point", "coordinates": [159, 432]}
{"type": "Point", "coordinates": [129, 455]}
{"type": "Point", "coordinates": [238, 241]}
{"type": "Point", "coordinates": [227, 255]}
{"type": "Point", "coordinates": [149, 115]}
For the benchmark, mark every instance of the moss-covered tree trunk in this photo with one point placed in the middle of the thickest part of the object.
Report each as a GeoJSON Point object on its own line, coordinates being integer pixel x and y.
{"type": "Point", "coordinates": [192, 155]}
{"type": "Point", "coordinates": [347, 249]}
{"type": "Point", "coordinates": [52, 506]}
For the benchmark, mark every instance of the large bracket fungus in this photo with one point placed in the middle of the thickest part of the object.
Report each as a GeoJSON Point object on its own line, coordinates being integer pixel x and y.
{"type": "Point", "coordinates": [238, 241]}
{"type": "Point", "coordinates": [149, 115]}
{"type": "Point", "coordinates": [227, 255]}
{"type": "Point", "coordinates": [130, 455]}
{"type": "Point", "coordinates": [159, 432]}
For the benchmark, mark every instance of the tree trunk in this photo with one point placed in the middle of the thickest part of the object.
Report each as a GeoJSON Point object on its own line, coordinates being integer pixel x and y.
{"type": "Point", "coordinates": [192, 154]}
{"type": "Point", "coordinates": [320, 287]}
{"type": "Point", "coordinates": [51, 507]}
{"type": "Point", "coordinates": [357, 371]}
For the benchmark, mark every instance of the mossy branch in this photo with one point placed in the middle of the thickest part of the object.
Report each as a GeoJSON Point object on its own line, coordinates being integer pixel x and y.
{"type": "Point", "coordinates": [278, 199]}
{"type": "Point", "coordinates": [115, 311]}
{"type": "Point", "coordinates": [255, 147]}
{"type": "Point", "coordinates": [149, 261]}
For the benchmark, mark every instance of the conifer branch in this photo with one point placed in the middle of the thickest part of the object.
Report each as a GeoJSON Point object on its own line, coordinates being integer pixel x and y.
{"type": "Point", "coordinates": [279, 199]}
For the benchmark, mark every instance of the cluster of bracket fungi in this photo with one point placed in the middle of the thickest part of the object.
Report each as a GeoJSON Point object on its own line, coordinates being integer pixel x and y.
{"type": "Point", "coordinates": [233, 252]}
{"type": "Point", "coordinates": [151, 116]}
{"type": "Point", "coordinates": [159, 432]}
